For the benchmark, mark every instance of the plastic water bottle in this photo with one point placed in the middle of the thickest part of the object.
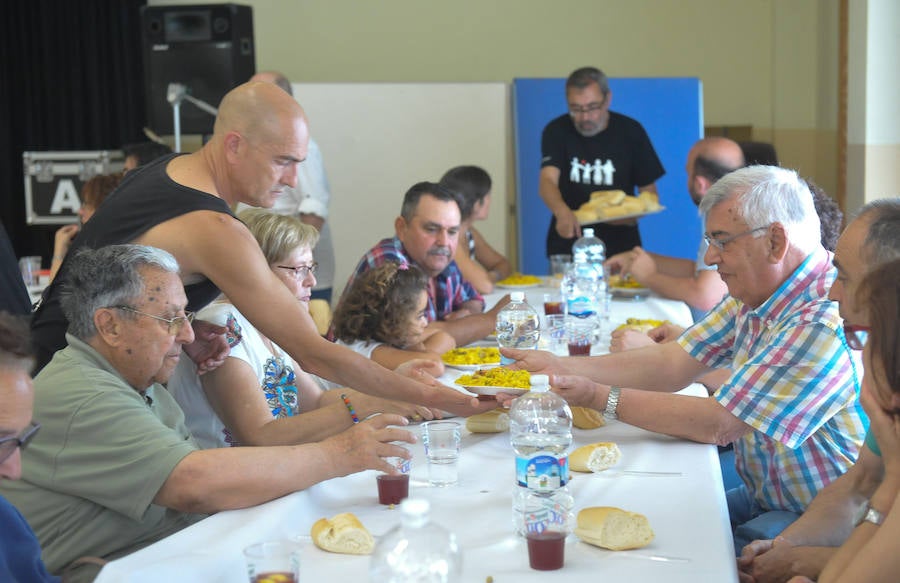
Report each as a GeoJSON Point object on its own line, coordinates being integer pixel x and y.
{"type": "Point", "coordinates": [585, 290]}
{"type": "Point", "coordinates": [540, 428]}
{"type": "Point", "coordinates": [589, 248]}
{"type": "Point", "coordinates": [417, 550]}
{"type": "Point", "coordinates": [518, 325]}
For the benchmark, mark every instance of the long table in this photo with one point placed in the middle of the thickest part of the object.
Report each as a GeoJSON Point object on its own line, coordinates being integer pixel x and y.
{"type": "Point", "coordinates": [685, 505]}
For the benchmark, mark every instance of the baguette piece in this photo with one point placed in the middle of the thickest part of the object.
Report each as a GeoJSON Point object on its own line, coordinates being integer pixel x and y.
{"type": "Point", "coordinates": [494, 421]}
{"type": "Point", "coordinates": [613, 528]}
{"type": "Point", "coordinates": [587, 418]}
{"type": "Point", "coordinates": [343, 533]}
{"type": "Point", "coordinates": [595, 457]}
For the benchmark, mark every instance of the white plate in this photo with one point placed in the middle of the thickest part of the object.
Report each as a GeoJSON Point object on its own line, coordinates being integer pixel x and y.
{"type": "Point", "coordinates": [629, 292]}
{"type": "Point", "coordinates": [628, 216]}
{"type": "Point", "coordinates": [472, 367]}
{"type": "Point", "coordinates": [518, 285]}
{"type": "Point", "coordinates": [483, 390]}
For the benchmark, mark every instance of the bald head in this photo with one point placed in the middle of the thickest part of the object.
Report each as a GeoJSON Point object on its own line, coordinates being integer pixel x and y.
{"type": "Point", "coordinates": [274, 77]}
{"type": "Point", "coordinates": [257, 110]}
{"type": "Point", "coordinates": [710, 159]}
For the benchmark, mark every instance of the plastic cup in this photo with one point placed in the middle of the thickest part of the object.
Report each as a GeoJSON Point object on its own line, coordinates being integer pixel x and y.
{"type": "Point", "coordinates": [546, 550]}
{"type": "Point", "coordinates": [553, 304]}
{"type": "Point", "coordinates": [442, 440]}
{"type": "Point", "coordinates": [559, 264]}
{"type": "Point", "coordinates": [273, 562]}
{"type": "Point", "coordinates": [579, 336]}
{"type": "Point", "coordinates": [555, 331]}
{"type": "Point", "coordinates": [393, 489]}
{"type": "Point", "coordinates": [29, 267]}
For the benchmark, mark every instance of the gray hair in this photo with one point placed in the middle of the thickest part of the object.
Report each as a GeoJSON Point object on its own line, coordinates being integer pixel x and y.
{"type": "Point", "coordinates": [106, 277]}
{"type": "Point", "coordinates": [769, 194]}
{"type": "Point", "coordinates": [883, 240]}
{"type": "Point", "coordinates": [586, 76]}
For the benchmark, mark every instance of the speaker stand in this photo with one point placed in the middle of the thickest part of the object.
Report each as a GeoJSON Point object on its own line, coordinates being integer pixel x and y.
{"type": "Point", "coordinates": [175, 95]}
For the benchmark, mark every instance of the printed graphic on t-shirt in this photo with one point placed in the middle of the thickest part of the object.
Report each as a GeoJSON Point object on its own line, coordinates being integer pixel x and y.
{"type": "Point", "coordinates": [597, 172]}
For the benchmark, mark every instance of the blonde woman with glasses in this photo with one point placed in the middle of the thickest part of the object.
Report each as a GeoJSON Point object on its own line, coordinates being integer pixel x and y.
{"type": "Point", "coordinates": [260, 395]}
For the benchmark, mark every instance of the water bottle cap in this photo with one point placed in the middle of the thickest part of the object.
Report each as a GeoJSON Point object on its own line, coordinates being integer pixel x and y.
{"type": "Point", "coordinates": [517, 296]}
{"type": "Point", "coordinates": [587, 232]}
{"type": "Point", "coordinates": [415, 506]}
{"type": "Point", "coordinates": [540, 382]}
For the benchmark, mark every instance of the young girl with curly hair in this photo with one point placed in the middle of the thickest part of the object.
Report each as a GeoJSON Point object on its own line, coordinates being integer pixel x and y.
{"type": "Point", "coordinates": [382, 316]}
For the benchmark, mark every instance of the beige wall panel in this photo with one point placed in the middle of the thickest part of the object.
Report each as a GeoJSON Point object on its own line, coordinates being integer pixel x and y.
{"type": "Point", "coordinates": [378, 139]}
{"type": "Point", "coordinates": [882, 171]}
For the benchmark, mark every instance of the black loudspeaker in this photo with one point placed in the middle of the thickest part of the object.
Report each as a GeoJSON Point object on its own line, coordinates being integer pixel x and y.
{"type": "Point", "coordinates": [208, 48]}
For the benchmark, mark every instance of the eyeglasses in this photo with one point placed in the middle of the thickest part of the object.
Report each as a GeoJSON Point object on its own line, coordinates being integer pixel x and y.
{"type": "Point", "coordinates": [588, 109]}
{"type": "Point", "coordinates": [720, 243]}
{"type": "Point", "coordinates": [856, 336]}
{"type": "Point", "coordinates": [174, 324]}
{"type": "Point", "coordinates": [8, 445]}
{"type": "Point", "coordinates": [301, 271]}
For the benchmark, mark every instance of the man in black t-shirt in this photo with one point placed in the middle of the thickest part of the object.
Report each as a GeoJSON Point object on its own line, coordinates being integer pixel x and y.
{"type": "Point", "coordinates": [589, 149]}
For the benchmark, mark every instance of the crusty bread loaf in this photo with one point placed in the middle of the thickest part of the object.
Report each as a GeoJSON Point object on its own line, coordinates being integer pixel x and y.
{"type": "Point", "coordinates": [613, 528]}
{"type": "Point", "coordinates": [343, 533]}
{"type": "Point", "coordinates": [587, 418]}
{"type": "Point", "coordinates": [595, 457]}
{"type": "Point", "coordinates": [607, 197]}
{"type": "Point", "coordinates": [586, 215]}
{"type": "Point", "coordinates": [493, 421]}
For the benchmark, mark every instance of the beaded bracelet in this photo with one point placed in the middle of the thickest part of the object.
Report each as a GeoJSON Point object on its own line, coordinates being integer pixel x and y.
{"type": "Point", "coordinates": [350, 408]}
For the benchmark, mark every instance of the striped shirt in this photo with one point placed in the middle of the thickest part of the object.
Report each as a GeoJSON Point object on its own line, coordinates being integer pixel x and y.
{"type": "Point", "coordinates": [794, 380]}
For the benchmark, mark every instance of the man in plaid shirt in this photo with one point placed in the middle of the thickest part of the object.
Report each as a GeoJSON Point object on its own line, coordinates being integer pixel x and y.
{"type": "Point", "coordinates": [427, 232]}
{"type": "Point", "coordinates": [791, 405]}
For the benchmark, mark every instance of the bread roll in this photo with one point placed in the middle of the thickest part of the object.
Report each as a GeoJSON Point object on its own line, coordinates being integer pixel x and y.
{"type": "Point", "coordinates": [586, 215]}
{"type": "Point", "coordinates": [587, 418]}
{"type": "Point", "coordinates": [342, 534]}
{"type": "Point", "coordinates": [649, 199]}
{"type": "Point", "coordinates": [488, 422]}
{"type": "Point", "coordinates": [613, 528]}
{"type": "Point", "coordinates": [595, 457]}
{"type": "Point", "coordinates": [607, 197]}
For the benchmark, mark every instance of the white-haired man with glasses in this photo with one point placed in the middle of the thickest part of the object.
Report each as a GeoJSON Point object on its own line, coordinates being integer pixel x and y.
{"type": "Point", "coordinates": [791, 404]}
{"type": "Point", "coordinates": [20, 554]}
{"type": "Point", "coordinates": [114, 468]}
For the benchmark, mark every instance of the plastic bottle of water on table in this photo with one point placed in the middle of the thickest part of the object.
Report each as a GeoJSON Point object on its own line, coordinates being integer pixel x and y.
{"type": "Point", "coordinates": [417, 550]}
{"type": "Point", "coordinates": [540, 427]}
{"type": "Point", "coordinates": [518, 325]}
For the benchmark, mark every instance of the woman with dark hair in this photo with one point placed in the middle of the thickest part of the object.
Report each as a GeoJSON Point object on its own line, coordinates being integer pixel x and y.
{"type": "Point", "coordinates": [382, 316]}
{"type": "Point", "coordinates": [480, 264]}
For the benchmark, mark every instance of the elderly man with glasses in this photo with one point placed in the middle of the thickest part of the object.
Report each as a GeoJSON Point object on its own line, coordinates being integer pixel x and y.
{"type": "Point", "coordinates": [791, 404]}
{"type": "Point", "coordinates": [20, 554]}
{"type": "Point", "coordinates": [114, 468]}
{"type": "Point", "coordinates": [592, 148]}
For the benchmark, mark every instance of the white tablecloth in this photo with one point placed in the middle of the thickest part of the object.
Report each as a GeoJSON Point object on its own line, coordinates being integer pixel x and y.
{"type": "Point", "coordinates": [687, 512]}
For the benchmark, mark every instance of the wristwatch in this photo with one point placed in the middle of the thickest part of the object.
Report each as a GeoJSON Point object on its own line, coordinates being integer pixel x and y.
{"type": "Point", "coordinates": [612, 403]}
{"type": "Point", "coordinates": [871, 515]}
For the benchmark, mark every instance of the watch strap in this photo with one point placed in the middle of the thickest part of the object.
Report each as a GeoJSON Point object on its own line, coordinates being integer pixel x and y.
{"type": "Point", "coordinates": [612, 403]}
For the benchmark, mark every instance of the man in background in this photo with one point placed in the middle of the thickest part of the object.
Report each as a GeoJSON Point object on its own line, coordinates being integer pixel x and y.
{"type": "Point", "coordinates": [309, 201]}
{"type": "Point", "coordinates": [592, 148]}
{"type": "Point", "coordinates": [141, 153]}
{"type": "Point", "coordinates": [426, 235]}
{"type": "Point", "coordinates": [693, 282]}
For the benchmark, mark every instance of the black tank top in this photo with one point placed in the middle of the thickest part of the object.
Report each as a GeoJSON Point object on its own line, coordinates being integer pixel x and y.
{"type": "Point", "coordinates": [146, 198]}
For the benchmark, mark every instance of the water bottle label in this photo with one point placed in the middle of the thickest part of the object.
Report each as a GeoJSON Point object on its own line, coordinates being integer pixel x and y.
{"type": "Point", "coordinates": [542, 473]}
{"type": "Point", "coordinates": [581, 307]}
